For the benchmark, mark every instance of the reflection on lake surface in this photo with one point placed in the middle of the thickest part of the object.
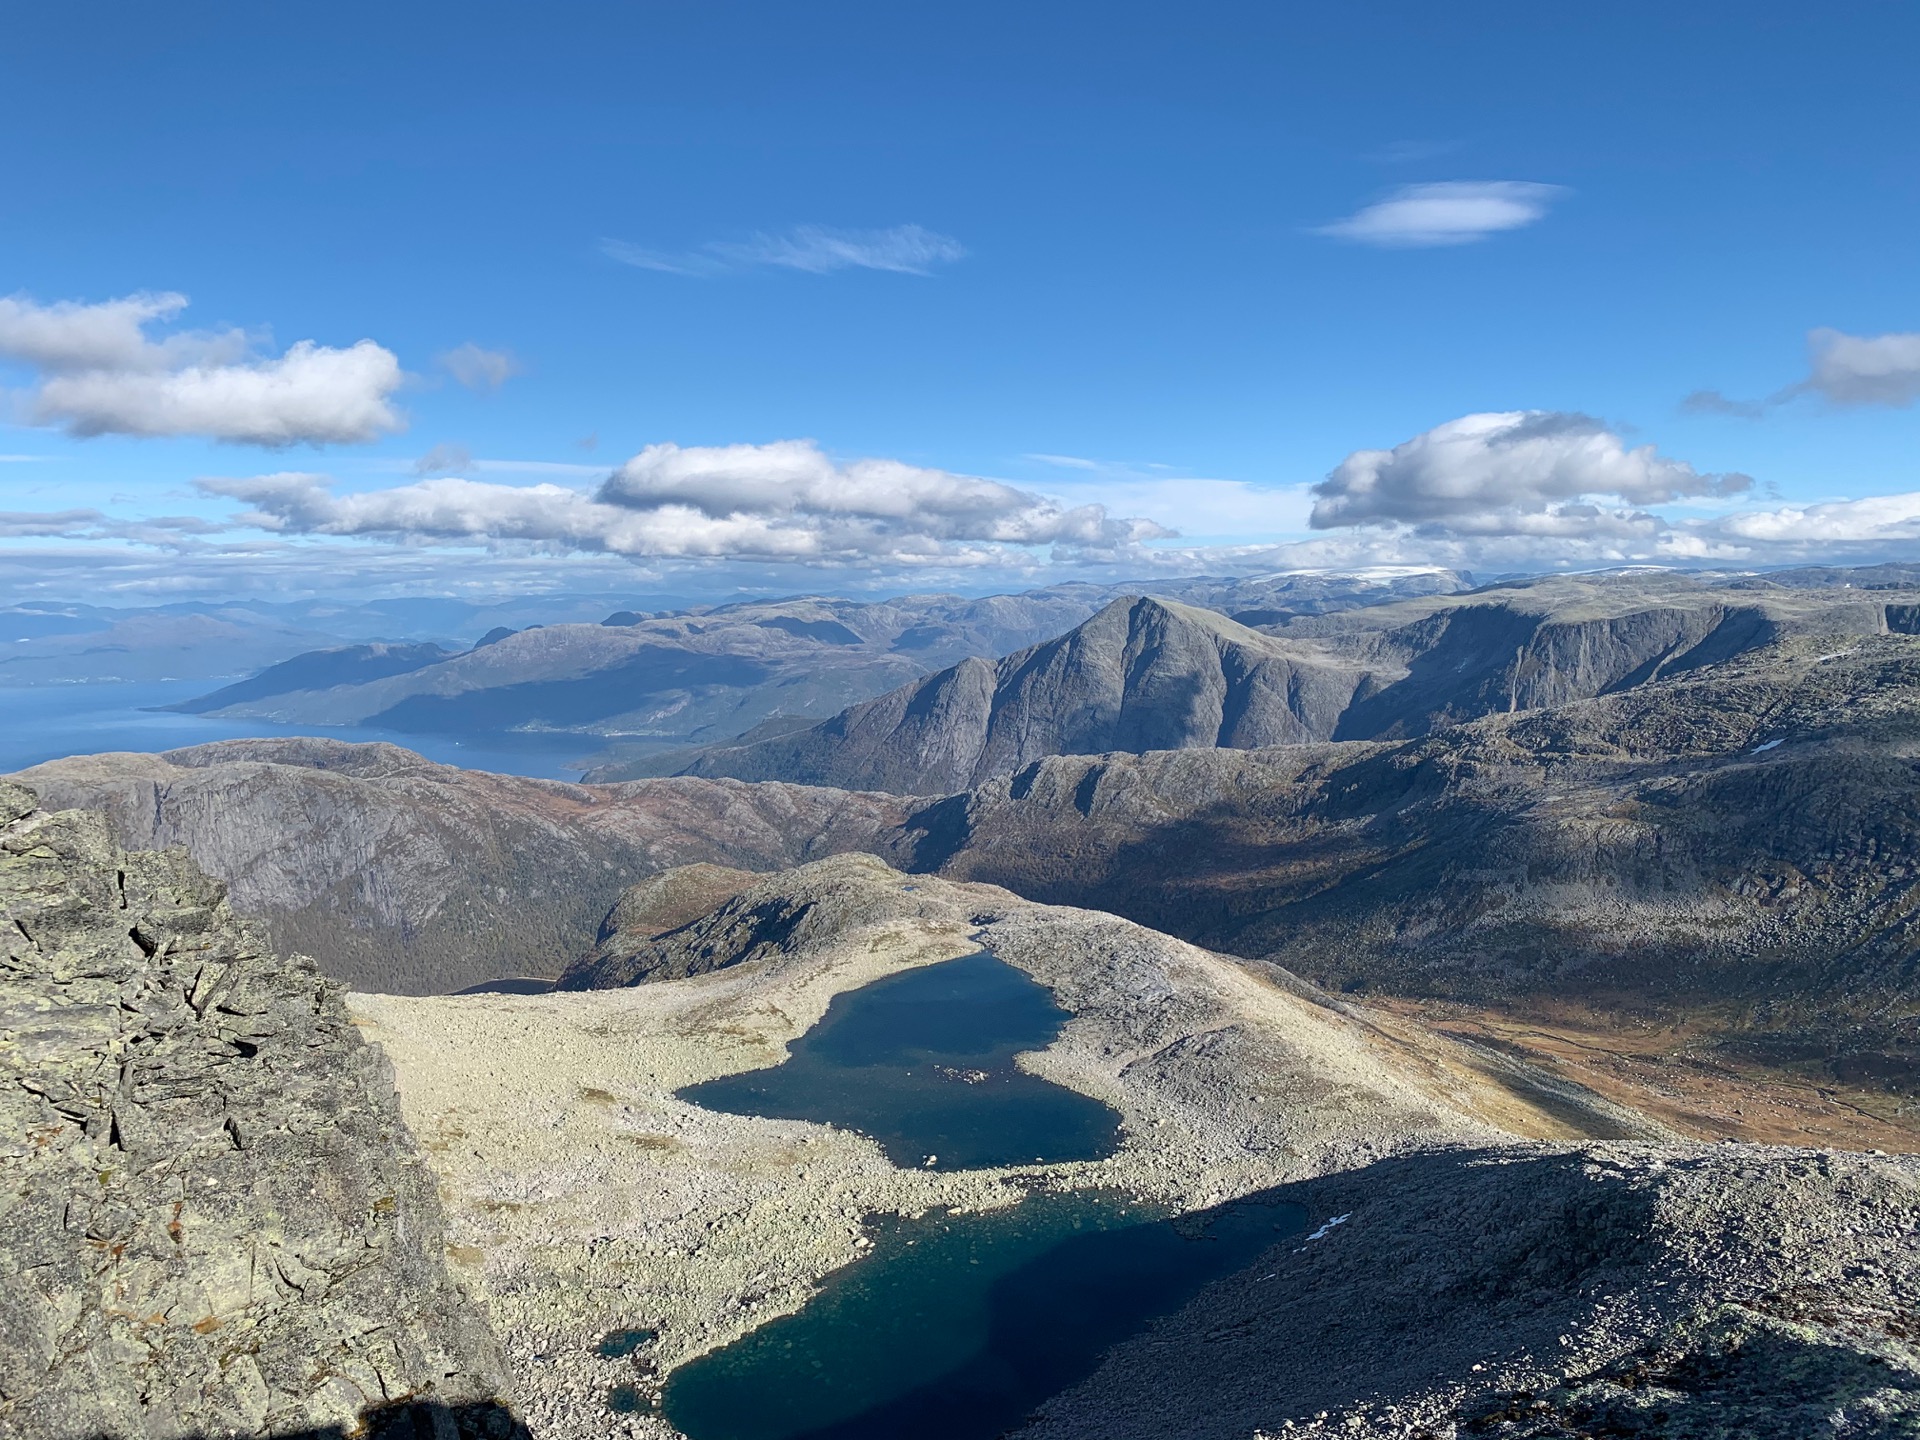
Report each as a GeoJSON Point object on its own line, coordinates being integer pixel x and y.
{"type": "Point", "coordinates": [922, 1061]}
{"type": "Point", "coordinates": [957, 1326]}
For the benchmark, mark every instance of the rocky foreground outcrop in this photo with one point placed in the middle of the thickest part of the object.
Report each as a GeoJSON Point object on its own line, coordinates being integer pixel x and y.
{"type": "Point", "coordinates": [212, 1218]}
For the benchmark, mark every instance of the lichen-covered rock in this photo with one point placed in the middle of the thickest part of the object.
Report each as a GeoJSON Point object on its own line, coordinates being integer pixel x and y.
{"type": "Point", "coordinates": [212, 1219]}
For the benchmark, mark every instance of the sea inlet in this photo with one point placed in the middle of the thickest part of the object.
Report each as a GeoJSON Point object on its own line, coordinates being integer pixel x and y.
{"type": "Point", "coordinates": [954, 1326]}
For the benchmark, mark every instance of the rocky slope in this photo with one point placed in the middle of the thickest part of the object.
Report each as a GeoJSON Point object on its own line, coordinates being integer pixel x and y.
{"type": "Point", "coordinates": [1546, 1293]}
{"type": "Point", "coordinates": [647, 913]}
{"type": "Point", "coordinates": [1748, 830]}
{"type": "Point", "coordinates": [398, 874]}
{"type": "Point", "coordinates": [213, 1220]}
{"type": "Point", "coordinates": [1147, 675]}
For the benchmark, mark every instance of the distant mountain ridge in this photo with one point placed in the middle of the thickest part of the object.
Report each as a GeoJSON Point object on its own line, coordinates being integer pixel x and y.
{"type": "Point", "coordinates": [1150, 674]}
{"type": "Point", "coordinates": [708, 674]}
{"type": "Point", "coordinates": [1141, 674]}
{"type": "Point", "coordinates": [321, 670]}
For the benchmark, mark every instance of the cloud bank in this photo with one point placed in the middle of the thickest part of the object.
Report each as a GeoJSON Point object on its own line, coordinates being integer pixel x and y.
{"type": "Point", "coordinates": [787, 501]}
{"type": "Point", "coordinates": [814, 249]}
{"type": "Point", "coordinates": [1451, 212]}
{"type": "Point", "coordinates": [99, 372]}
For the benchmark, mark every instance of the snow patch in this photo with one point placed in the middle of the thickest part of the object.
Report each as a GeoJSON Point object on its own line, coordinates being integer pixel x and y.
{"type": "Point", "coordinates": [1326, 1229]}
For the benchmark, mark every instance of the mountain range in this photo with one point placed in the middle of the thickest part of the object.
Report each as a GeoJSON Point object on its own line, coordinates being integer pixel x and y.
{"type": "Point", "coordinates": [1261, 868]}
{"type": "Point", "coordinates": [1681, 798]}
{"type": "Point", "coordinates": [643, 681]}
{"type": "Point", "coordinates": [1147, 674]}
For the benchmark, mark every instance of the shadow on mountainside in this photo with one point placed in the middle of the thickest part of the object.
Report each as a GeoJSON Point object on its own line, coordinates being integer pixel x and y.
{"type": "Point", "coordinates": [1616, 1290]}
{"type": "Point", "coordinates": [411, 1420]}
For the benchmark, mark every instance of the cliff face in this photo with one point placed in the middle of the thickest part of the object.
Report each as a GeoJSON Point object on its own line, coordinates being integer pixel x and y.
{"type": "Point", "coordinates": [213, 1220]}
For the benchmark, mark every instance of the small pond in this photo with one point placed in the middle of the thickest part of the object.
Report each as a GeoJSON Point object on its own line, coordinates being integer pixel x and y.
{"type": "Point", "coordinates": [922, 1061]}
{"type": "Point", "coordinates": [510, 985]}
{"type": "Point", "coordinates": [956, 1327]}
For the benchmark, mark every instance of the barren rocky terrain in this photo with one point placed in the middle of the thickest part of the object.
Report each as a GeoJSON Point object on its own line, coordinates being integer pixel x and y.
{"type": "Point", "coordinates": [1456, 1281]}
{"type": "Point", "coordinates": [1496, 1249]}
{"type": "Point", "coordinates": [584, 1197]}
{"type": "Point", "coordinates": [212, 1217]}
{"type": "Point", "coordinates": [1732, 1292]}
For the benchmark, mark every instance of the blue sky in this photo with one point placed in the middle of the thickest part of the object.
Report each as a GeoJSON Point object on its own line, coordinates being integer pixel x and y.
{"type": "Point", "coordinates": [1198, 255]}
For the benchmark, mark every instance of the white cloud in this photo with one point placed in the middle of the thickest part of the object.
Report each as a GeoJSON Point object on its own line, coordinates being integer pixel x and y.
{"type": "Point", "coordinates": [1865, 369]}
{"type": "Point", "coordinates": [1521, 472]}
{"type": "Point", "coordinates": [477, 367]}
{"type": "Point", "coordinates": [815, 249]}
{"type": "Point", "coordinates": [64, 524]}
{"type": "Point", "coordinates": [68, 335]}
{"type": "Point", "coordinates": [1451, 212]}
{"type": "Point", "coordinates": [786, 501]}
{"type": "Point", "coordinates": [1874, 520]}
{"type": "Point", "coordinates": [101, 373]}
{"type": "Point", "coordinates": [164, 531]}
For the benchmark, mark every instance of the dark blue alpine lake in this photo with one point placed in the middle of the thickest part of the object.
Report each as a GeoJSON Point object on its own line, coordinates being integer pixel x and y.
{"type": "Point", "coordinates": [954, 1326]}
{"type": "Point", "coordinates": [957, 1326]}
{"type": "Point", "coordinates": [923, 1062]}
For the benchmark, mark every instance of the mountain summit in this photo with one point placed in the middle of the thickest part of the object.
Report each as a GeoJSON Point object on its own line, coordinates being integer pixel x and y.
{"type": "Point", "coordinates": [1141, 674]}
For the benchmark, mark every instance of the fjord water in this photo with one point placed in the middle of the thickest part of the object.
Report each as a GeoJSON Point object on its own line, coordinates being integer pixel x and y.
{"type": "Point", "coordinates": [922, 1061]}
{"type": "Point", "coordinates": [957, 1326]}
{"type": "Point", "coordinates": [50, 722]}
